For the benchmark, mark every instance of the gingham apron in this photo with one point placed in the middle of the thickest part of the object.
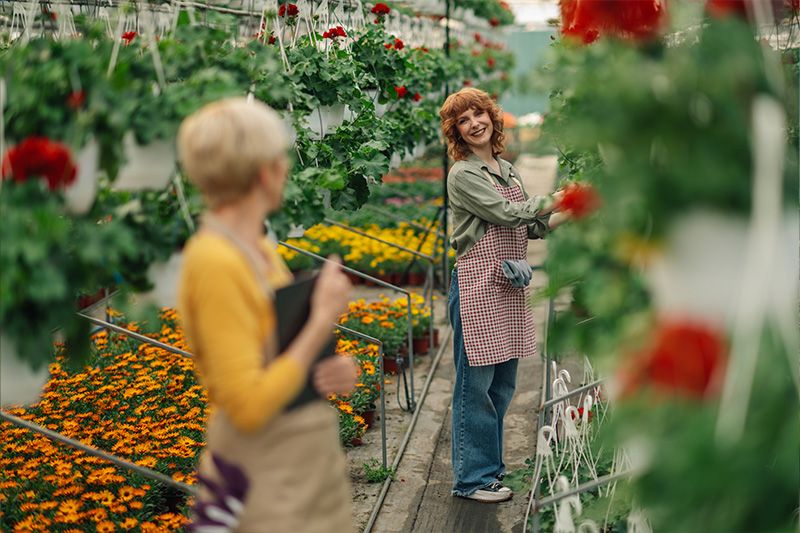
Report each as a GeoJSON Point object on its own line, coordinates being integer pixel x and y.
{"type": "Point", "coordinates": [496, 317]}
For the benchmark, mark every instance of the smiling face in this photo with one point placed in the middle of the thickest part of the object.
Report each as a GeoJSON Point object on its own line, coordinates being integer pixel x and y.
{"type": "Point", "coordinates": [475, 127]}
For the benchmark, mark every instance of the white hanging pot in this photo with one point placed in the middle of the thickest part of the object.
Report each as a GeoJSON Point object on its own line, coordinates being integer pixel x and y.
{"type": "Point", "coordinates": [19, 383]}
{"type": "Point", "coordinates": [148, 167]}
{"type": "Point", "coordinates": [395, 160]}
{"type": "Point", "coordinates": [349, 114]}
{"type": "Point", "coordinates": [380, 109]}
{"type": "Point", "coordinates": [164, 275]}
{"type": "Point", "coordinates": [419, 150]}
{"type": "Point", "coordinates": [324, 119]}
{"type": "Point", "coordinates": [701, 271]}
{"type": "Point", "coordinates": [408, 156]}
{"type": "Point", "coordinates": [79, 196]}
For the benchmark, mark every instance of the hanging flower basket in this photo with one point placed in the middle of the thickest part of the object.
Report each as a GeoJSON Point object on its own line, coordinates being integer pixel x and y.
{"type": "Point", "coordinates": [164, 276]}
{"type": "Point", "coordinates": [324, 119]}
{"type": "Point", "coordinates": [79, 196]}
{"type": "Point", "coordinates": [19, 383]}
{"type": "Point", "coordinates": [395, 161]}
{"type": "Point", "coordinates": [148, 167]}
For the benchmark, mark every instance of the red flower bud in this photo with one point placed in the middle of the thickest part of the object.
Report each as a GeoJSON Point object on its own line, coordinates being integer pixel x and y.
{"type": "Point", "coordinates": [579, 199]}
{"type": "Point", "coordinates": [478, 37]}
{"type": "Point", "coordinates": [129, 36]}
{"type": "Point", "coordinates": [272, 39]}
{"type": "Point", "coordinates": [76, 99]}
{"type": "Point", "coordinates": [398, 44]}
{"type": "Point", "coordinates": [401, 91]}
{"type": "Point", "coordinates": [417, 97]}
{"type": "Point", "coordinates": [490, 62]}
{"type": "Point", "coordinates": [467, 83]}
{"type": "Point", "coordinates": [387, 46]}
{"type": "Point", "coordinates": [494, 21]}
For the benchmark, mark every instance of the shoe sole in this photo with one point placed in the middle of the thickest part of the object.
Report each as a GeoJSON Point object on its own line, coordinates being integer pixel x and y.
{"type": "Point", "coordinates": [506, 497]}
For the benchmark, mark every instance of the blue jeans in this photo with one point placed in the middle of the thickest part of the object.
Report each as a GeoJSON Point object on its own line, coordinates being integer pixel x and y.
{"type": "Point", "coordinates": [481, 396]}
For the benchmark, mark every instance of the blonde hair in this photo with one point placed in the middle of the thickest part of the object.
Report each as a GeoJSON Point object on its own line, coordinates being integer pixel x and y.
{"type": "Point", "coordinates": [223, 145]}
{"type": "Point", "coordinates": [455, 105]}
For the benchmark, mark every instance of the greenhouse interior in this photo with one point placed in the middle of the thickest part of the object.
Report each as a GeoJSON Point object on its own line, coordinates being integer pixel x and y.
{"type": "Point", "coordinates": [429, 266]}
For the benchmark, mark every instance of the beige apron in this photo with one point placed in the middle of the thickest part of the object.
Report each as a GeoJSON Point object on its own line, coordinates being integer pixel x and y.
{"type": "Point", "coordinates": [296, 469]}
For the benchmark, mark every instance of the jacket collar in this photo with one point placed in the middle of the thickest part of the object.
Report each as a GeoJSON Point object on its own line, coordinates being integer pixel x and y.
{"type": "Point", "coordinates": [505, 167]}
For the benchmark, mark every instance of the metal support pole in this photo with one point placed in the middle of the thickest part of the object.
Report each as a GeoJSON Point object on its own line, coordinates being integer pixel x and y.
{"type": "Point", "coordinates": [445, 167]}
{"type": "Point", "coordinates": [362, 233]}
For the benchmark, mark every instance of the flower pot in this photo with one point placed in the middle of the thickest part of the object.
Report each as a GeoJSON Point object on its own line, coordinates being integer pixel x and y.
{"type": "Point", "coordinates": [355, 280]}
{"type": "Point", "coordinates": [419, 150]}
{"type": "Point", "coordinates": [356, 441]}
{"type": "Point", "coordinates": [391, 365]}
{"type": "Point", "coordinates": [422, 345]}
{"type": "Point", "coordinates": [436, 341]}
{"type": "Point", "coordinates": [164, 275]}
{"type": "Point", "coordinates": [369, 417]}
{"type": "Point", "coordinates": [324, 119]}
{"type": "Point", "coordinates": [148, 167]}
{"type": "Point", "coordinates": [380, 109]}
{"type": "Point", "coordinates": [79, 196]}
{"type": "Point", "coordinates": [701, 272]}
{"type": "Point", "coordinates": [416, 279]}
{"type": "Point", "coordinates": [19, 383]}
{"type": "Point", "coordinates": [395, 160]}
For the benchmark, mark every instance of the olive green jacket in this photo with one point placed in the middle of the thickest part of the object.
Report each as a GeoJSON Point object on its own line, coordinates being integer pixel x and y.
{"type": "Point", "coordinates": [475, 202]}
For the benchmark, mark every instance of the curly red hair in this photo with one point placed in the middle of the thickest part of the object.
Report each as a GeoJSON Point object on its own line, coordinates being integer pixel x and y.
{"type": "Point", "coordinates": [455, 105]}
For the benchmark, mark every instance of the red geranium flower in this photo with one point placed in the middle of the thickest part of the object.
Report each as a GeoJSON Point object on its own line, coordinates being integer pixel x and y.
{"type": "Point", "coordinates": [494, 21]}
{"type": "Point", "coordinates": [388, 46]}
{"type": "Point", "coordinates": [398, 44]}
{"type": "Point", "coordinates": [380, 9]}
{"type": "Point", "coordinates": [417, 97]}
{"type": "Point", "coordinates": [580, 414]}
{"type": "Point", "coordinates": [579, 199]}
{"type": "Point", "coordinates": [333, 33]}
{"type": "Point", "coordinates": [630, 19]}
{"type": "Point", "coordinates": [76, 99]}
{"type": "Point", "coordinates": [684, 358]}
{"type": "Point", "coordinates": [467, 83]}
{"type": "Point", "coordinates": [40, 157]}
{"type": "Point", "coordinates": [490, 62]}
{"type": "Point", "coordinates": [272, 39]}
{"type": "Point", "coordinates": [289, 10]}
{"type": "Point", "coordinates": [478, 37]}
{"type": "Point", "coordinates": [401, 91]}
{"type": "Point", "coordinates": [129, 36]}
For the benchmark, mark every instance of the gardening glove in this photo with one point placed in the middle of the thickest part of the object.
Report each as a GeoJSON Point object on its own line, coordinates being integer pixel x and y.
{"type": "Point", "coordinates": [518, 272]}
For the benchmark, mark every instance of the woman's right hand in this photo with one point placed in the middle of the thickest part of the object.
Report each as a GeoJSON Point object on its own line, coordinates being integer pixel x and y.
{"type": "Point", "coordinates": [331, 294]}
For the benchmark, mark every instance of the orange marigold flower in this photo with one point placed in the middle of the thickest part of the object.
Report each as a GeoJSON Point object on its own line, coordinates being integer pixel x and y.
{"type": "Point", "coordinates": [105, 527]}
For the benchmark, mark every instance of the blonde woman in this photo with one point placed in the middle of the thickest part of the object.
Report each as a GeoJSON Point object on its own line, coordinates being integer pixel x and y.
{"type": "Point", "coordinates": [264, 468]}
{"type": "Point", "coordinates": [493, 218]}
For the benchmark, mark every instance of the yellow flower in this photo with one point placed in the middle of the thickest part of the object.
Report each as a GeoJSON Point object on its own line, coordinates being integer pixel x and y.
{"type": "Point", "coordinates": [367, 320]}
{"type": "Point", "coordinates": [346, 408]}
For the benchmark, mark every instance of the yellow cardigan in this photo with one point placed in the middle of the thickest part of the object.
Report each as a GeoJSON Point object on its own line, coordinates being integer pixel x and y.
{"type": "Point", "coordinates": [228, 322]}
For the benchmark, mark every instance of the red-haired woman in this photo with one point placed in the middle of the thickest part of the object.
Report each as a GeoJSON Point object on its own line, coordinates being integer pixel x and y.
{"type": "Point", "coordinates": [493, 218]}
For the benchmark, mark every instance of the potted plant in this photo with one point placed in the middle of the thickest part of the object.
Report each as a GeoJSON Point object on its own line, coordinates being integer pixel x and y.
{"type": "Point", "coordinates": [48, 256]}
{"type": "Point", "coordinates": [59, 90]}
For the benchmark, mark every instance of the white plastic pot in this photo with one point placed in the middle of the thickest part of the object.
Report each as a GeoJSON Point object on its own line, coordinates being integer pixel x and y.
{"type": "Point", "coordinates": [19, 383]}
{"type": "Point", "coordinates": [395, 160]}
{"type": "Point", "coordinates": [419, 150]}
{"type": "Point", "coordinates": [324, 120]}
{"type": "Point", "coordinates": [701, 272]}
{"type": "Point", "coordinates": [164, 276]}
{"type": "Point", "coordinates": [79, 196]}
{"type": "Point", "coordinates": [148, 167]}
{"type": "Point", "coordinates": [380, 109]}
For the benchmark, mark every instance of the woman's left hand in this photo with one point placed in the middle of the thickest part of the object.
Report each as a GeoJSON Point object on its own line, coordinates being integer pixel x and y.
{"type": "Point", "coordinates": [335, 375]}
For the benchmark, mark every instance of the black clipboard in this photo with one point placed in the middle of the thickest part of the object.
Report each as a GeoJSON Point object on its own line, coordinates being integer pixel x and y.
{"type": "Point", "coordinates": [292, 308]}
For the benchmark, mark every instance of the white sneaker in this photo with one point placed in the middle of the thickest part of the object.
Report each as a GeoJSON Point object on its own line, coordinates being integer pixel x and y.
{"type": "Point", "coordinates": [494, 493]}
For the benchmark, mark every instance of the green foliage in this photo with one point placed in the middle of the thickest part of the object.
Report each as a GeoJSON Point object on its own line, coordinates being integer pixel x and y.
{"type": "Point", "coordinates": [374, 472]}
{"type": "Point", "coordinates": [46, 259]}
